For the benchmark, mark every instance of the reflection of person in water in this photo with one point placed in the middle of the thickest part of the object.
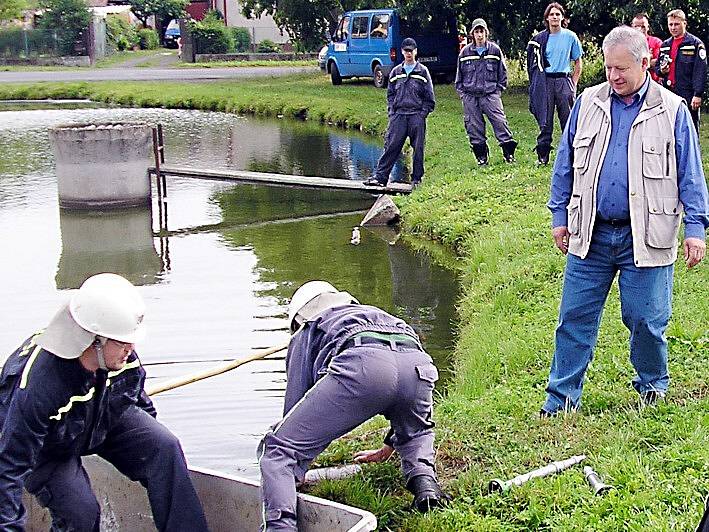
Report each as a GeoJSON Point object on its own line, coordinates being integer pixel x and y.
{"type": "Point", "coordinates": [413, 291]}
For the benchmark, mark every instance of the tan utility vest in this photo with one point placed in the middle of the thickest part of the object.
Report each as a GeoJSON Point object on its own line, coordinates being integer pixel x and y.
{"type": "Point", "coordinates": [655, 208]}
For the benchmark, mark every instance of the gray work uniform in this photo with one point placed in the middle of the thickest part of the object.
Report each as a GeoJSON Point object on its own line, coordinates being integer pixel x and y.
{"type": "Point", "coordinates": [346, 365]}
{"type": "Point", "coordinates": [480, 80]}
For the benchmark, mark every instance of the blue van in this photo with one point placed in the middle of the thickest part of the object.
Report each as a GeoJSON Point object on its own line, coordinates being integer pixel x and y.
{"type": "Point", "coordinates": [368, 44]}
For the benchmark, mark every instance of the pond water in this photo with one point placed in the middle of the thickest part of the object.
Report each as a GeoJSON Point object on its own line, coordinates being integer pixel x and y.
{"type": "Point", "coordinates": [216, 288]}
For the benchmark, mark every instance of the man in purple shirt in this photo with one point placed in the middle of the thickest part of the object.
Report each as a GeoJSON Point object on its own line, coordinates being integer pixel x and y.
{"type": "Point", "coordinates": [620, 183]}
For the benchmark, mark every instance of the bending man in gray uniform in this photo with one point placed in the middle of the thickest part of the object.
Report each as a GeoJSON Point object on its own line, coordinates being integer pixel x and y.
{"type": "Point", "coordinates": [480, 80]}
{"type": "Point", "coordinates": [347, 363]}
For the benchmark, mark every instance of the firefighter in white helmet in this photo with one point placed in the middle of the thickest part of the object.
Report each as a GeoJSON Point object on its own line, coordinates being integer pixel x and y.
{"type": "Point", "coordinates": [346, 363]}
{"type": "Point", "coordinates": [76, 389]}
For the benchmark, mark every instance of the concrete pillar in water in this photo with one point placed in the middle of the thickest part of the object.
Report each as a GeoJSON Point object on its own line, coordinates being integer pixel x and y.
{"type": "Point", "coordinates": [102, 166]}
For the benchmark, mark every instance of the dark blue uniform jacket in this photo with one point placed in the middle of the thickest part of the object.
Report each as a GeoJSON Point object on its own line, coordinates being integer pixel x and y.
{"type": "Point", "coordinates": [536, 63]}
{"type": "Point", "coordinates": [690, 67]}
{"type": "Point", "coordinates": [481, 74]}
{"type": "Point", "coordinates": [410, 94]}
{"type": "Point", "coordinates": [52, 408]}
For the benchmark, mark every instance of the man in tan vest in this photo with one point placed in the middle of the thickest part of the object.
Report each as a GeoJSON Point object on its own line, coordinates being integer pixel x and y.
{"type": "Point", "coordinates": [627, 168]}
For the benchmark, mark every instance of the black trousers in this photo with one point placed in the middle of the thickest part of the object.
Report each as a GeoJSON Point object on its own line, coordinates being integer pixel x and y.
{"type": "Point", "coordinates": [142, 449]}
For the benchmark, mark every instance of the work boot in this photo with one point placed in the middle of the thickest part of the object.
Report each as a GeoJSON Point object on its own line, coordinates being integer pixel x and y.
{"type": "Point", "coordinates": [373, 182]}
{"type": "Point", "coordinates": [543, 151]}
{"type": "Point", "coordinates": [427, 493]}
{"type": "Point", "coordinates": [481, 153]}
{"type": "Point", "coordinates": [508, 150]}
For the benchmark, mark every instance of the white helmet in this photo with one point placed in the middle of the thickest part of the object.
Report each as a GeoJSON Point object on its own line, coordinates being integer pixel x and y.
{"type": "Point", "coordinates": [109, 305]}
{"type": "Point", "coordinates": [305, 294]}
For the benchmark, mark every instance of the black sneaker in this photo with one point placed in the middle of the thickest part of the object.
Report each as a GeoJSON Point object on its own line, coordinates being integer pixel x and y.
{"type": "Point", "coordinates": [544, 414]}
{"type": "Point", "coordinates": [651, 397]}
{"type": "Point", "coordinates": [373, 182]}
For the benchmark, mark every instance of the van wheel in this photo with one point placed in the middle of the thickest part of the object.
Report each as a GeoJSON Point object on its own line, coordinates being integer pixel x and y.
{"type": "Point", "coordinates": [335, 75]}
{"type": "Point", "coordinates": [380, 80]}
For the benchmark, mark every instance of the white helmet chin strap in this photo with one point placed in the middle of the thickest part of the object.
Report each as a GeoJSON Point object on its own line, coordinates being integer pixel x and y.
{"type": "Point", "coordinates": [98, 346]}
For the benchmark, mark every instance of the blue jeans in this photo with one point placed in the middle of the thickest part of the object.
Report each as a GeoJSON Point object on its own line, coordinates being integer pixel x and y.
{"type": "Point", "coordinates": [646, 302]}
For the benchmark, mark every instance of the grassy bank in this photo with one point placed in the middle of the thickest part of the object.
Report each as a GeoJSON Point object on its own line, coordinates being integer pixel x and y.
{"type": "Point", "coordinates": [495, 219]}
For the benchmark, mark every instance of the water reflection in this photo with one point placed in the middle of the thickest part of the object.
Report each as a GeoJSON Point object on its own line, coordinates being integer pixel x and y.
{"type": "Point", "coordinates": [112, 241]}
{"type": "Point", "coordinates": [236, 254]}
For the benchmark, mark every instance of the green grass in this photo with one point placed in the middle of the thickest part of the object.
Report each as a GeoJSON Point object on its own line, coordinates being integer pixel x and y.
{"type": "Point", "coordinates": [487, 425]}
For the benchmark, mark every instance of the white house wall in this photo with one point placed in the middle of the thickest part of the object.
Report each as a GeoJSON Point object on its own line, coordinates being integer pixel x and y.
{"type": "Point", "coordinates": [260, 28]}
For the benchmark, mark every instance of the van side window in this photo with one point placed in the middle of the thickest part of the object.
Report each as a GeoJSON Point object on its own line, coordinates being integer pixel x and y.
{"type": "Point", "coordinates": [341, 32]}
{"type": "Point", "coordinates": [360, 27]}
{"type": "Point", "coordinates": [380, 27]}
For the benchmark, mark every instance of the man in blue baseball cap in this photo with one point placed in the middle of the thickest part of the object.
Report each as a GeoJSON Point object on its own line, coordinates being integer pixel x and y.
{"type": "Point", "coordinates": [409, 100]}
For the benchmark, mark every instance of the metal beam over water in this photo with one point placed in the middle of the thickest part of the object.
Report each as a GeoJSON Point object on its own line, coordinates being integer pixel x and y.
{"type": "Point", "coordinates": [265, 178]}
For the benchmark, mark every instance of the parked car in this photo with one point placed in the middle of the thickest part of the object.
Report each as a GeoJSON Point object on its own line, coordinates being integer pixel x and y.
{"type": "Point", "coordinates": [368, 44]}
{"type": "Point", "coordinates": [322, 58]}
{"type": "Point", "coordinates": [172, 33]}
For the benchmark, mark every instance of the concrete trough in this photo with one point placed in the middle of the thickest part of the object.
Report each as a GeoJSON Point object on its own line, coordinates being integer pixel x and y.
{"type": "Point", "coordinates": [102, 166]}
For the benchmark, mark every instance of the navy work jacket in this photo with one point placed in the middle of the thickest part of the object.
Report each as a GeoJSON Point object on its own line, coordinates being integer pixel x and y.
{"type": "Point", "coordinates": [51, 409]}
{"type": "Point", "coordinates": [536, 65]}
{"type": "Point", "coordinates": [477, 74]}
{"type": "Point", "coordinates": [690, 67]}
{"type": "Point", "coordinates": [410, 94]}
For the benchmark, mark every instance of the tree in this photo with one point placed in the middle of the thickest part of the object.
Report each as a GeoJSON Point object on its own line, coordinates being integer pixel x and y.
{"type": "Point", "coordinates": [310, 22]}
{"type": "Point", "coordinates": [11, 9]}
{"type": "Point", "coordinates": [69, 19]}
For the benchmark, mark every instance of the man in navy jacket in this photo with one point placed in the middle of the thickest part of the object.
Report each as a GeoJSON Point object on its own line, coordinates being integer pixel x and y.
{"type": "Point", "coordinates": [410, 99]}
{"type": "Point", "coordinates": [76, 389]}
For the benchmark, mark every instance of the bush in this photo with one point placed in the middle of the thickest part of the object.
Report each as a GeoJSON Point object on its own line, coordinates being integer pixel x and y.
{"type": "Point", "coordinates": [266, 47]}
{"type": "Point", "coordinates": [594, 69]}
{"type": "Point", "coordinates": [69, 19]}
{"type": "Point", "coordinates": [121, 34]}
{"type": "Point", "coordinates": [19, 42]}
{"type": "Point", "coordinates": [211, 36]}
{"type": "Point", "coordinates": [148, 39]}
{"type": "Point", "coordinates": [242, 39]}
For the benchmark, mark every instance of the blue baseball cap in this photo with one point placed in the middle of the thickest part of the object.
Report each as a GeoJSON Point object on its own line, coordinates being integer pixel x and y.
{"type": "Point", "coordinates": [408, 44]}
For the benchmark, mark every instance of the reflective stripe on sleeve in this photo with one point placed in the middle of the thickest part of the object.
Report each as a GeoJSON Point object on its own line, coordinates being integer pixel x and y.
{"type": "Point", "coordinates": [28, 366]}
{"type": "Point", "coordinates": [130, 365]}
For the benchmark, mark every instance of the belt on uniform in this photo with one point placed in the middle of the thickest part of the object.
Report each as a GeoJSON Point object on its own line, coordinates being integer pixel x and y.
{"type": "Point", "coordinates": [557, 75]}
{"type": "Point", "coordinates": [391, 340]}
{"type": "Point", "coordinates": [615, 222]}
